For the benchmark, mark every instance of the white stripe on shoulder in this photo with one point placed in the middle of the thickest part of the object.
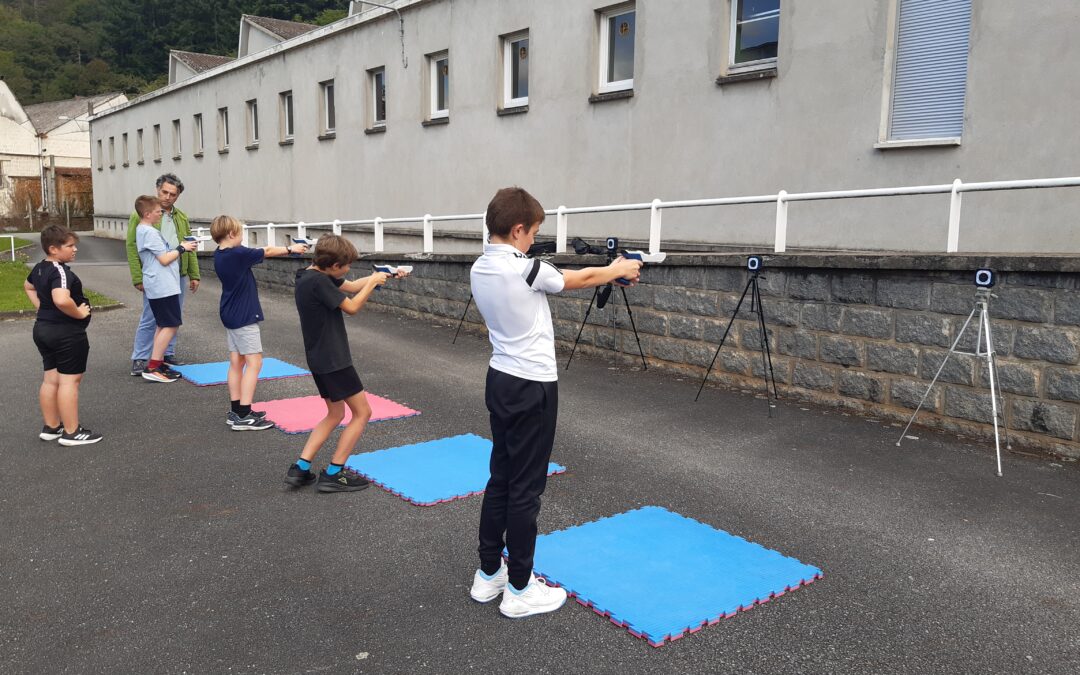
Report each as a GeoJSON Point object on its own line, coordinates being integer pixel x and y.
{"type": "Point", "coordinates": [63, 275]}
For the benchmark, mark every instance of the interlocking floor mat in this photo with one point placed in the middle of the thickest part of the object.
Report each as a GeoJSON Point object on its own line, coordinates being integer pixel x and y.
{"type": "Point", "coordinates": [206, 374]}
{"type": "Point", "coordinates": [433, 472]}
{"type": "Point", "coordinates": [300, 415]}
{"type": "Point", "coordinates": [661, 575]}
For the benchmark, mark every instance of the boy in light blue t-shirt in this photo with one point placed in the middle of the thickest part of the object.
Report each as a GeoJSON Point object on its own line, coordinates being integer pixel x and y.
{"type": "Point", "coordinates": [161, 283]}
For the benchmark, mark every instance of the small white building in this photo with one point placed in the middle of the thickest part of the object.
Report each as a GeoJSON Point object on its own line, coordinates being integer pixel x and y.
{"type": "Point", "coordinates": [40, 142]}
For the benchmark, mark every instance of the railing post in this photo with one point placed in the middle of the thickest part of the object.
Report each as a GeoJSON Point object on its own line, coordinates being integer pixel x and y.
{"type": "Point", "coordinates": [560, 229]}
{"type": "Point", "coordinates": [654, 226]}
{"type": "Point", "coordinates": [429, 234]}
{"type": "Point", "coordinates": [199, 233]}
{"type": "Point", "coordinates": [378, 235]}
{"type": "Point", "coordinates": [953, 243]}
{"type": "Point", "coordinates": [301, 231]}
{"type": "Point", "coordinates": [270, 241]}
{"type": "Point", "coordinates": [780, 244]}
{"type": "Point", "coordinates": [337, 226]}
{"type": "Point", "coordinates": [244, 237]}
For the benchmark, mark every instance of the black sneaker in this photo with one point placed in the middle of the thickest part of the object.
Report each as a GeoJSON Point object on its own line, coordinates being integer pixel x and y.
{"type": "Point", "coordinates": [345, 480]}
{"type": "Point", "coordinates": [251, 423]}
{"type": "Point", "coordinates": [82, 436]}
{"type": "Point", "coordinates": [50, 434]}
{"type": "Point", "coordinates": [231, 417]}
{"type": "Point", "coordinates": [298, 477]}
{"type": "Point", "coordinates": [159, 374]}
{"type": "Point", "coordinates": [137, 367]}
{"type": "Point", "coordinates": [173, 361]}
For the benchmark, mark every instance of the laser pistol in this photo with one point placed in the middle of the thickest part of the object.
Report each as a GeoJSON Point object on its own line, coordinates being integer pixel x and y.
{"type": "Point", "coordinates": [645, 258]}
{"type": "Point", "coordinates": [392, 270]}
{"type": "Point", "coordinates": [301, 240]}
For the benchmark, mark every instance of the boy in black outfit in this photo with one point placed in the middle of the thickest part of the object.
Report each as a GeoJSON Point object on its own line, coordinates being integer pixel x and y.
{"type": "Point", "coordinates": [320, 299]}
{"type": "Point", "coordinates": [63, 314]}
{"type": "Point", "coordinates": [522, 395]}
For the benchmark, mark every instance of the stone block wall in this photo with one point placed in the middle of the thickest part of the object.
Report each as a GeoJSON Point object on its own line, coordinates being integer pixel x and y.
{"type": "Point", "coordinates": [865, 333]}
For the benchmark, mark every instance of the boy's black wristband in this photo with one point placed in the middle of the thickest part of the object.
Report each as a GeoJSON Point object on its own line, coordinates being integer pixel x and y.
{"type": "Point", "coordinates": [180, 249]}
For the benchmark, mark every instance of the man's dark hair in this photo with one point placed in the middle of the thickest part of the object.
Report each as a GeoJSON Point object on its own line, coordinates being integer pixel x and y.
{"type": "Point", "coordinates": [509, 207]}
{"type": "Point", "coordinates": [171, 179]}
{"type": "Point", "coordinates": [333, 249]}
{"type": "Point", "coordinates": [56, 235]}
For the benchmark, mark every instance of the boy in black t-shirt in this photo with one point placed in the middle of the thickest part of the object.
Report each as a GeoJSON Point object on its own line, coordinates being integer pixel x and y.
{"type": "Point", "coordinates": [63, 314]}
{"type": "Point", "coordinates": [320, 299]}
{"type": "Point", "coordinates": [241, 313]}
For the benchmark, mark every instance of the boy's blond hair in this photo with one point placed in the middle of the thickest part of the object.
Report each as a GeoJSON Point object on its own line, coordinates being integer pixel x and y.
{"type": "Point", "coordinates": [225, 226]}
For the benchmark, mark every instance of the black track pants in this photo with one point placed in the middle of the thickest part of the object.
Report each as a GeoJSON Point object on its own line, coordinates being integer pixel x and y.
{"type": "Point", "coordinates": [523, 415]}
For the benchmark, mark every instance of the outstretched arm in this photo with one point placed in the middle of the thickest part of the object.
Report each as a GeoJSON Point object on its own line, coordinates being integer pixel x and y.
{"type": "Point", "coordinates": [620, 268]}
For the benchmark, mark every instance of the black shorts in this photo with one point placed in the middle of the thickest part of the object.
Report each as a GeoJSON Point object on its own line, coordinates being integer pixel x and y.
{"type": "Point", "coordinates": [63, 346]}
{"type": "Point", "coordinates": [166, 311]}
{"type": "Point", "coordinates": [338, 385]}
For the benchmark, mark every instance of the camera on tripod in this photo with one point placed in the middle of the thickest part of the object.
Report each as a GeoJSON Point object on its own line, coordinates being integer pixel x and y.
{"type": "Point", "coordinates": [984, 278]}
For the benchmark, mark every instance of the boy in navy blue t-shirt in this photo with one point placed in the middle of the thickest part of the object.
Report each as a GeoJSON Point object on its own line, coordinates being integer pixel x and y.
{"type": "Point", "coordinates": [241, 314]}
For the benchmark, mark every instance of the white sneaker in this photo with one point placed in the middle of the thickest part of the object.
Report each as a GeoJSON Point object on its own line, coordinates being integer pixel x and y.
{"type": "Point", "coordinates": [486, 590]}
{"type": "Point", "coordinates": [535, 599]}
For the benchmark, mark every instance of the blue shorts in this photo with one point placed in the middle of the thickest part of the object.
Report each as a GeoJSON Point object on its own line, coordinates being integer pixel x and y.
{"type": "Point", "coordinates": [166, 311]}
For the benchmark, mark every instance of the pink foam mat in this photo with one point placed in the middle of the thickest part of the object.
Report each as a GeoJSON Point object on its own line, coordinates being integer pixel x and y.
{"type": "Point", "coordinates": [300, 415]}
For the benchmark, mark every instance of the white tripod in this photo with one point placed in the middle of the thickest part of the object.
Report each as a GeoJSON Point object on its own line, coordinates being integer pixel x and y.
{"type": "Point", "coordinates": [982, 305]}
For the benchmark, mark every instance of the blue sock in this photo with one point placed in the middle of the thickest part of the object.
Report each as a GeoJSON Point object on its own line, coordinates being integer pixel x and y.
{"type": "Point", "coordinates": [303, 464]}
{"type": "Point", "coordinates": [333, 469]}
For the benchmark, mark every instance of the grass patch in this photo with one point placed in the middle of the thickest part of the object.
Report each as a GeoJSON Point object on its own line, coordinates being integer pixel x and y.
{"type": "Point", "coordinates": [13, 298]}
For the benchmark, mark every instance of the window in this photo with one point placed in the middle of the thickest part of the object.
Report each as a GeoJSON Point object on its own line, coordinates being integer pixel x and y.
{"type": "Point", "coordinates": [439, 81]}
{"type": "Point", "coordinates": [285, 114]}
{"type": "Point", "coordinates": [516, 70]}
{"type": "Point", "coordinates": [197, 134]}
{"type": "Point", "coordinates": [157, 142]}
{"type": "Point", "coordinates": [223, 129]}
{"type": "Point", "coordinates": [176, 145]}
{"type": "Point", "coordinates": [124, 148]}
{"type": "Point", "coordinates": [926, 72]}
{"type": "Point", "coordinates": [100, 156]}
{"type": "Point", "coordinates": [139, 146]}
{"type": "Point", "coordinates": [112, 152]}
{"type": "Point", "coordinates": [378, 97]}
{"type": "Point", "coordinates": [755, 31]}
{"type": "Point", "coordinates": [252, 124]}
{"type": "Point", "coordinates": [327, 113]}
{"type": "Point", "coordinates": [617, 29]}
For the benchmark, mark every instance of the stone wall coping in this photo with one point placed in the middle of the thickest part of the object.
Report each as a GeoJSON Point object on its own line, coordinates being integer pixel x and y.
{"type": "Point", "coordinates": [798, 260]}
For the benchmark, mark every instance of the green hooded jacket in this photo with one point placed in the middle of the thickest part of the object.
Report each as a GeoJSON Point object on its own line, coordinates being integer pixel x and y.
{"type": "Point", "coordinates": [189, 262]}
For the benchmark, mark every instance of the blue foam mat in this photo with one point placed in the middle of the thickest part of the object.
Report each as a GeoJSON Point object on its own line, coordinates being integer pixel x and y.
{"type": "Point", "coordinates": [432, 472]}
{"type": "Point", "coordinates": [206, 374]}
{"type": "Point", "coordinates": [661, 575]}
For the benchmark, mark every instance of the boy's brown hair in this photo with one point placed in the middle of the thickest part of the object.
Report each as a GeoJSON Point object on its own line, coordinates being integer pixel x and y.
{"type": "Point", "coordinates": [224, 226]}
{"type": "Point", "coordinates": [333, 249]}
{"type": "Point", "coordinates": [56, 235]}
{"type": "Point", "coordinates": [146, 203]}
{"type": "Point", "coordinates": [509, 207]}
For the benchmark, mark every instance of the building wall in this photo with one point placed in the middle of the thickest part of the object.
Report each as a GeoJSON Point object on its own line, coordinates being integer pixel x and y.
{"type": "Point", "coordinates": [258, 40]}
{"type": "Point", "coordinates": [681, 136]}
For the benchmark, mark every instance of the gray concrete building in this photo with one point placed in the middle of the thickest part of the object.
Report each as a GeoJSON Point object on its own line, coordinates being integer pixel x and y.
{"type": "Point", "coordinates": [431, 106]}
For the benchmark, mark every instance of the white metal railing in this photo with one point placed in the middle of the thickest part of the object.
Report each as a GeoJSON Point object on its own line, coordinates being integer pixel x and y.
{"type": "Point", "coordinates": [12, 238]}
{"type": "Point", "coordinates": [657, 206]}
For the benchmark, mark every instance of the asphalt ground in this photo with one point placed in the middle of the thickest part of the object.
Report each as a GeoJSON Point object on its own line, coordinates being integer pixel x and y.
{"type": "Point", "coordinates": [174, 547]}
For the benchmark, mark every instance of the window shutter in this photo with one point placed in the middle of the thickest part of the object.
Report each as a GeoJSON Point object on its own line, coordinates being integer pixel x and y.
{"type": "Point", "coordinates": [930, 77]}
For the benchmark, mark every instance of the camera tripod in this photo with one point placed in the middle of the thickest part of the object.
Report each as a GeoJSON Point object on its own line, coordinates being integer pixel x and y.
{"type": "Point", "coordinates": [752, 288]}
{"type": "Point", "coordinates": [982, 306]}
{"type": "Point", "coordinates": [600, 298]}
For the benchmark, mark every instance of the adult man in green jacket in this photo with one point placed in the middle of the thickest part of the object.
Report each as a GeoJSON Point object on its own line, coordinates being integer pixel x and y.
{"type": "Point", "coordinates": [174, 227]}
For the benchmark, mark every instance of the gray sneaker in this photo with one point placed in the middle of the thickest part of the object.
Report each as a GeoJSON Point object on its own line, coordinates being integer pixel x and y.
{"type": "Point", "coordinates": [137, 367]}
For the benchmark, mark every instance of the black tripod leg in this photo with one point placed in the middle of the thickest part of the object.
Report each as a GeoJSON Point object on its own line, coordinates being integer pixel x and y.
{"type": "Point", "coordinates": [722, 339]}
{"type": "Point", "coordinates": [583, 322]}
{"type": "Point", "coordinates": [766, 352]}
{"type": "Point", "coordinates": [454, 342]}
{"type": "Point", "coordinates": [630, 314]}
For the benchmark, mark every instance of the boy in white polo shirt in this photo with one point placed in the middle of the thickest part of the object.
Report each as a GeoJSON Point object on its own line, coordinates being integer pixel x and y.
{"type": "Point", "coordinates": [510, 290]}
